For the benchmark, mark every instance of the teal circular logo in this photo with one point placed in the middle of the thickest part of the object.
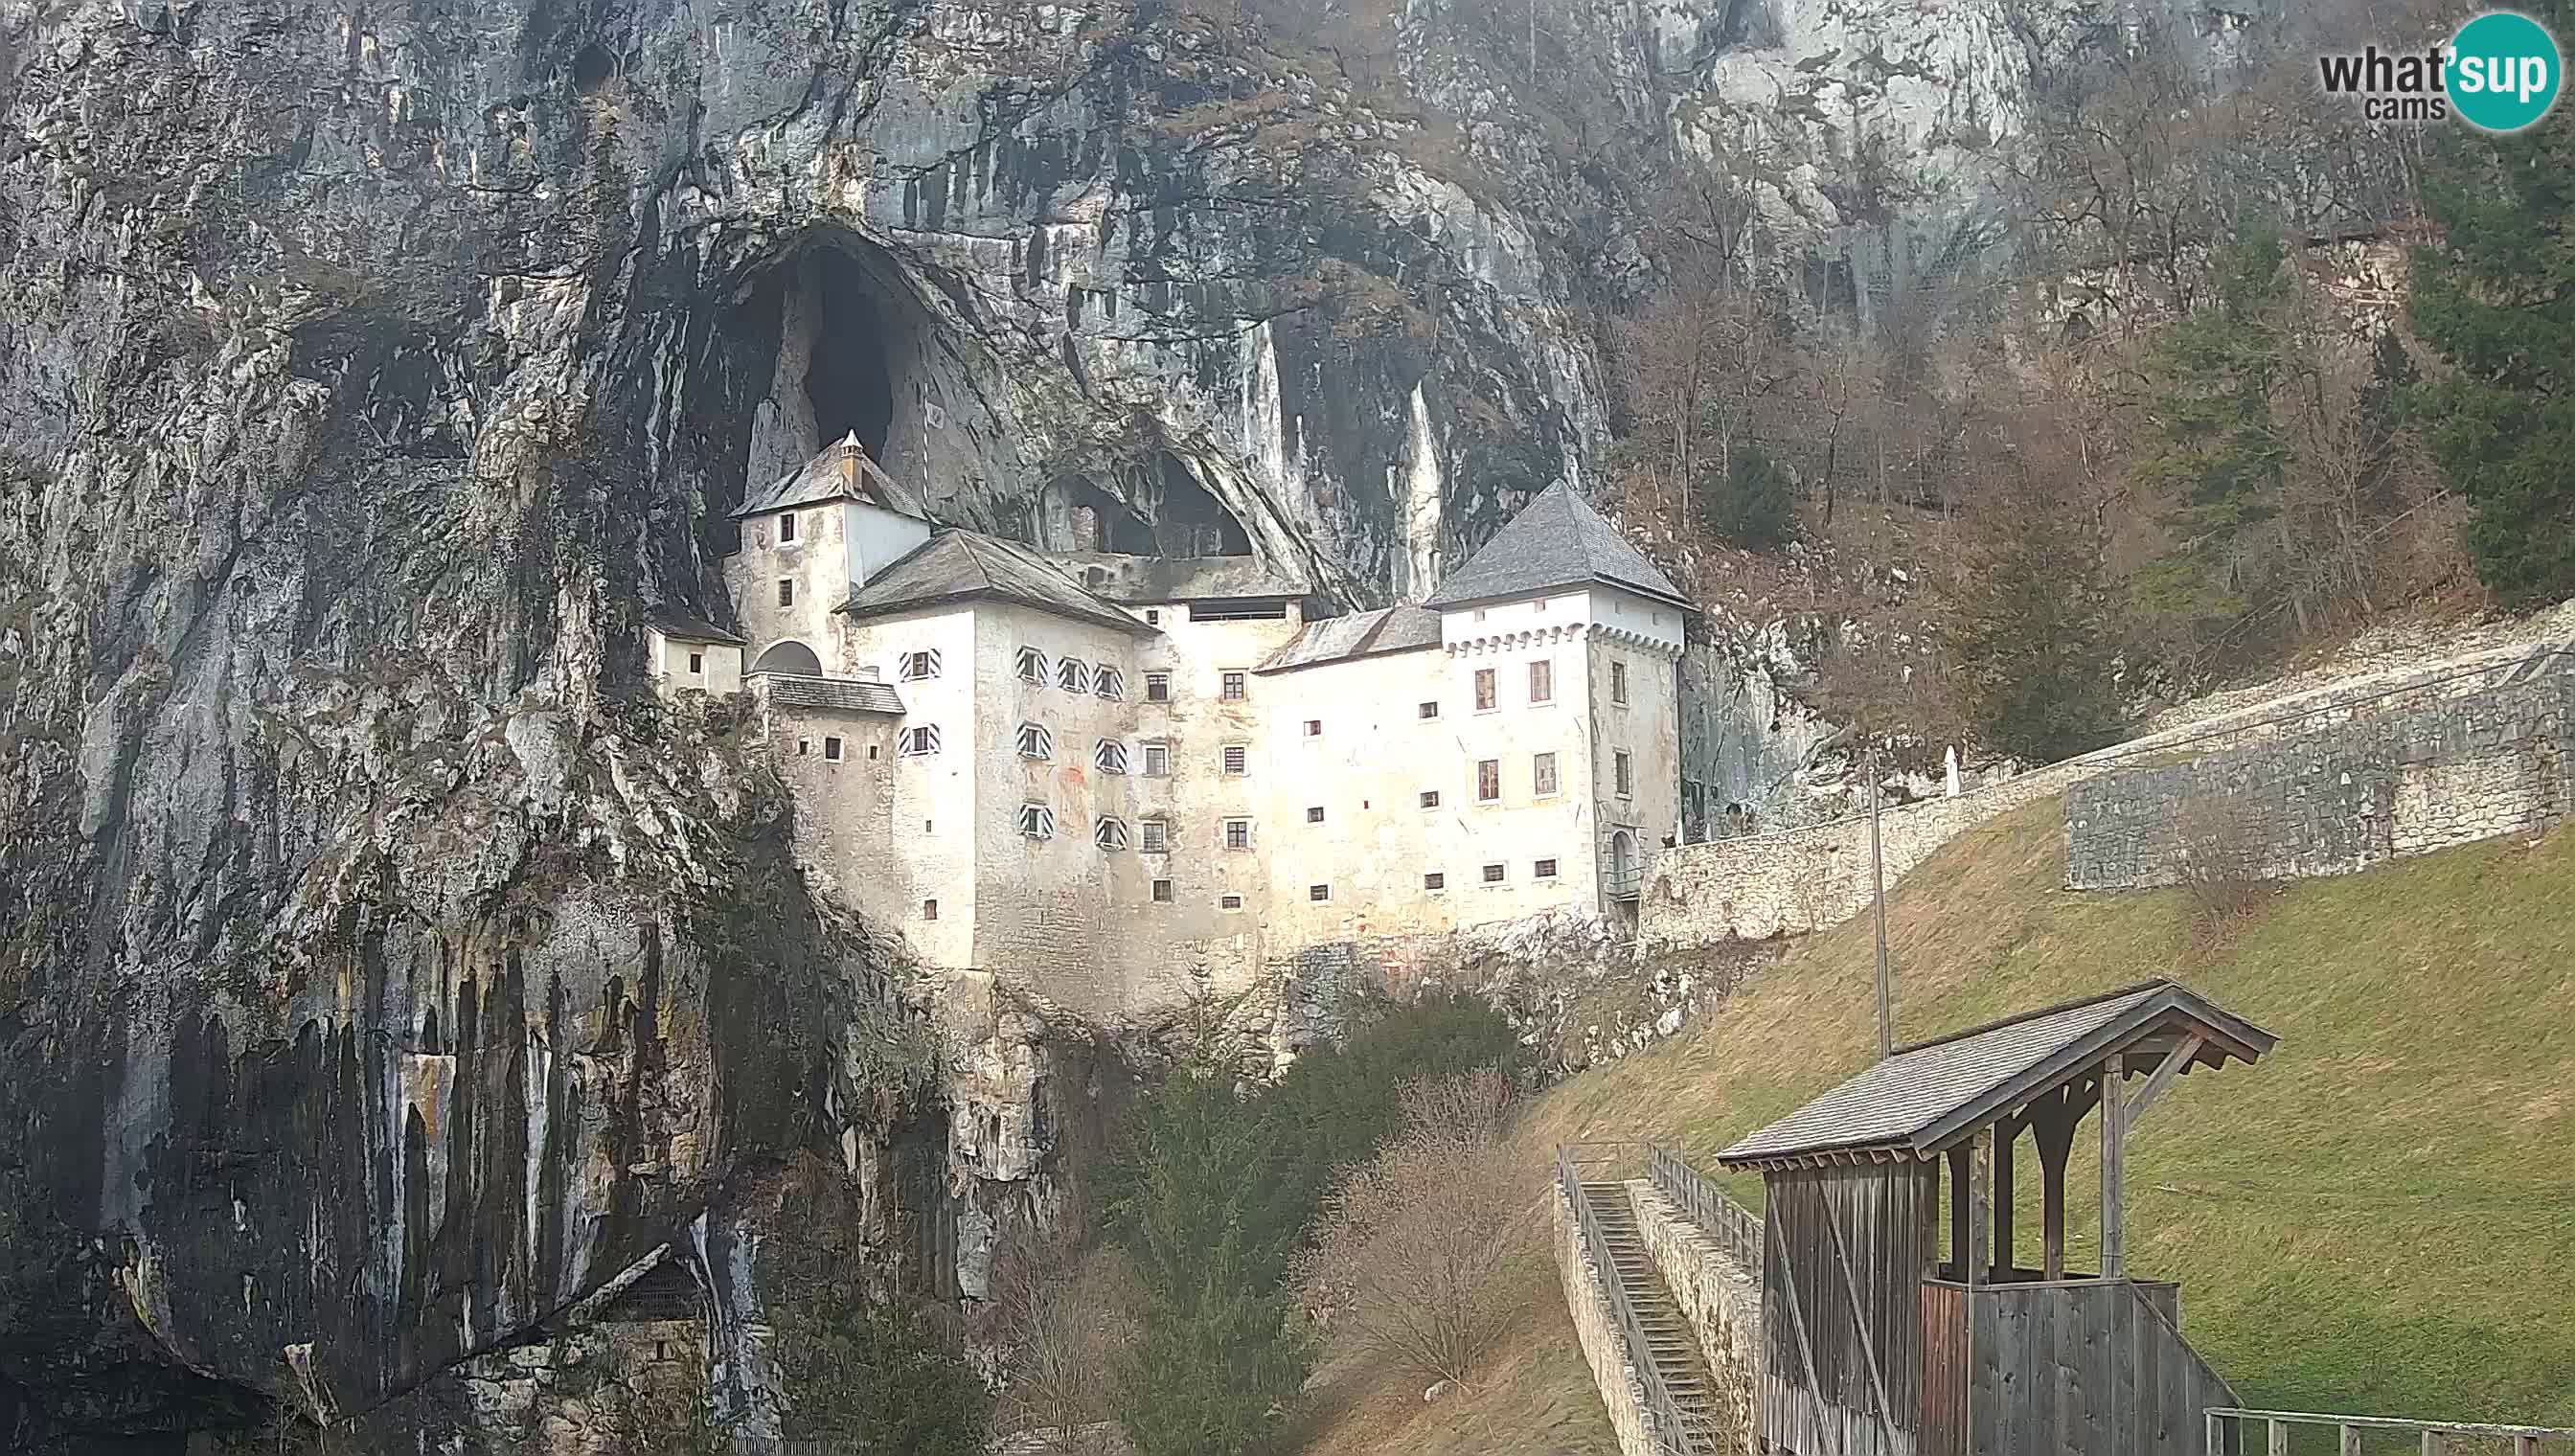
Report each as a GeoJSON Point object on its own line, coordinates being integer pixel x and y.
{"type": "Point", "coordinates": [2502, 71]}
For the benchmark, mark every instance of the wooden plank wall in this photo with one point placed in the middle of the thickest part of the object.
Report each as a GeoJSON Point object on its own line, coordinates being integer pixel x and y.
{"type": "Point", "coordinates": [1832, 1233]}
{"type": "Point", "coordinates": [2083, 1369]}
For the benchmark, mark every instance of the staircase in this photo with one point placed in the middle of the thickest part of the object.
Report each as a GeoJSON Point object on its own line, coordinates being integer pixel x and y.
{"type": "Point", "coordinates": [1670, 1344]}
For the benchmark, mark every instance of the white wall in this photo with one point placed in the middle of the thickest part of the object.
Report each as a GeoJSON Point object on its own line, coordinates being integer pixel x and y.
{"type": "Point", "coordinates": [1365, 770]}
{"type": "Point", "coordinates": [719, 669]}
{"type": "Point", "coordinates": [878, 538]}
{"type": "Point", "coordinates": [816, 560]}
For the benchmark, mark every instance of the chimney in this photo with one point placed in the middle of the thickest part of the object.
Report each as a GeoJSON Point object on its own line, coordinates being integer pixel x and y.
{"type": "Point", "coordinates": [851, 450]}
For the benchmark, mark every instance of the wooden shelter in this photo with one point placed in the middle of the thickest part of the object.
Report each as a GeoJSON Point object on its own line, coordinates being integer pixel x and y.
{"type": "Point", "coordinates": [1886, 1338]}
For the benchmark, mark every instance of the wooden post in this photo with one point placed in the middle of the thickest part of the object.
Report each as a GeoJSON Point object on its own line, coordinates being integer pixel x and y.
{"type": "Point", "coordinates": [2216, 1434]}
{"type": "Point", "coordinates": [2350, 1441]}
{"type": "Point", "coordinates": [2279, 1437]}
{"type": "Point", "coordinates": [2114, 1137]}
{"type": "Point", "coordinates": [1959, 1158]}
{"type": "Point", "coordinates": [1981, 1212]}
{"type": "Point", "coordinates": [2006, 1133]}
{"type": "Point", "coordinates": [2431, 1443]}
{"type": "Point", "coordinates": [2053, 1130]}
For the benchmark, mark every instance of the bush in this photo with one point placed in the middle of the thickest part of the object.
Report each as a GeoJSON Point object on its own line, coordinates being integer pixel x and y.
{"type": "Point", "coordinates": [1749, 502]}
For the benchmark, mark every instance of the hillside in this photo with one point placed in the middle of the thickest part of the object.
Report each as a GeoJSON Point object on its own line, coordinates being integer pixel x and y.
{"type": "Point", "coordinates": [2370, 1220]}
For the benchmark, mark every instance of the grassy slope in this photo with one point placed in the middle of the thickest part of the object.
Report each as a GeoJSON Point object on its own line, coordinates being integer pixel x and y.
{"type": "Point", "coordinates": [2379, 1218]}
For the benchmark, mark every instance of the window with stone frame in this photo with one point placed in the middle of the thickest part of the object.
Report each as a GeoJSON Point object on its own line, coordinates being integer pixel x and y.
{"type": "Point", "coordinates": [1494, 873]}
{"type": "Point", "coordinates": [1545, 869]}
{"type": "Point", "coordinates": [1158, 758]}
{"type": "Point", "coordinates": [1236, 759]}
{"type": "Point", "coordinates": [1033, 666]}
{"type": "Point", "coordinates": [1154, 837]}
{"type": "Point", "coordinates": [1234, 686]}
{"type": "Point", "coordinates": [1488, 780]}
{"type": "Point", "coordinates": [1427, 711]}
{"type": "Point", "coordinates": [787, 527]}
{"type": "Point", "coordinates": [1237, 834]}
{"type": "Point", "coordinates": [1618, 682]}
{"type": "Point", "coordinates": [1318, 893]}
{"type": "Point", "coordinates": [1542, 681]}
{"type": "Point", "coordinates": [1162, 891]}
{"type": "Point", "coordinates": [1158, 687]}
{"type": "Point", "coordinates": [1314, 813]}
{"type": "Point", "coordinates": [1542, 774]}
{"type": "Point", "coordinates": [1434, 880]}
{"type": "Point", "coordinates": [786, 592]}
{"type": "Point", "coordinates": [1036, 742]}
{"type": "Point", "coordinates": [1488, 698]}
{"type": "Point", "coordinates": [1624, 773]}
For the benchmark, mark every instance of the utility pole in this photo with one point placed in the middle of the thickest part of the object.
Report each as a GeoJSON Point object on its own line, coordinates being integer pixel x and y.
{"type": "Point", "coordinates": [1878, 887]}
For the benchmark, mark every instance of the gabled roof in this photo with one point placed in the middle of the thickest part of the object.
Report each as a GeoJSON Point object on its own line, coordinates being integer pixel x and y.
{"type": "Point", "coordinates": [1557, 541]}
{"type": "Point", "coordinates": [1150, 579]}
{"type": "Point", "coordinates": [841, 694]}
{"type": "Point", "coordinates": [679, 626]}
{"type": "Point", "coordinates": [842, 472]}
{"type": "Point", "coordinates": [963, 566]}
{"type": "Point", "coordinates": [1929, 1097]}
{"type": "Point", "coordinates": [1361, 635]}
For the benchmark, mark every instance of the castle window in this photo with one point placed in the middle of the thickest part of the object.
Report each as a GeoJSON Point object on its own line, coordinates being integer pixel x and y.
{"type": "Point", "coordinates": [1546, 869]}
{"type": "Point", "coordinates": [1072, 675]}
{"type": "Point", "coordinates": [929, 909]}
{"type": "Point", "coordinates": [787, 527]}
{"type": "Point", "coordinates": [1237, 834]}
{"type": "Point", "coordinates": [1314, 728]}
{"type": "Point", "coordinates": [1428, 709]}
{"type": "Point", "coordinates": [1624, 772]}
{"type": "Point", "coordinates": [1158, 687]}
{"type": "Point", "coordinates": [1036, 742]}
{"type": "Point", "coordinates": [1541, 604]}
{"type": "Point", "coordinates": [1157, 836]}
{"type": "Point", "coordinates": [1318, 893]}
{"type": "Point", "coordinates": [1228, 903]}
{"type": "Point", "coordinates": [696, 663]}
{"type": "Point", "coordinates": [1486, 696]}
{"type": "Point", "coordinates": [1489, 781]}
{"type": "Point", "coordinates": [918, 742]}
{"type": "Point", "coordinates": [1542, 681]}
{"type": "Point", "coordinates": [1036, 822]}
{"type": "Point", "coordinates": [919, 666]}
{"type": "Point", "coordinates": [1108, 683]}
{"type": "Point", "coordinates": [1430, 798]}
{"type": "Point", "coordinates": [1494, 873]}
{"type": "Point", "coordinates": [1110, 833]}
{"type": "Point", "coordinates": [1109, 757]}
{"type": "Point", "coordinates": [1315, 814]}
{"type": "Point", "coordinates": [832, 750]}
{"type": "Point", "coordinates": [1434, 880]}
{"type": "Point", "coordinates": [1158, 758]}
{"type": "Point", "coordinates": [786, 592]}
{"type": "Point", "coordinates": [1033, 666]}
{"type": "Point", "coordinates": [1162, 891]}
{"type": "Point", "coordinates": [804, 746]}
{"type": "Point", "coordinates": [1152, 617]}
{"type": "Point", "coordinates": [1237, 761]}
{"type": "Point", "coordinates": [1233, 686]}
{"type": "Point", "coordinates": [1542, 774]}
{"type": "Point", "coordinates": [1618, 682]}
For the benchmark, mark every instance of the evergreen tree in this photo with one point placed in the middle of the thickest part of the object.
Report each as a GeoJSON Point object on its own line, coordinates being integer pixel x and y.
{"type": "Point", "coordinates": [2498, 297]}
{"type": "Point", "coordinates": [2212, 450]}
{"type": "Point", "coordinates": [2027, 633]}
{"type": "Point", "coordinates": [1747, 502]}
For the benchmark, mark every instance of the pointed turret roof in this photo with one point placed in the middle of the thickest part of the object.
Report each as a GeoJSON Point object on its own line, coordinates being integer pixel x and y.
{"type": "Point", "coordinates": [843, 471]}
{"type": "Point", "coordinates": [1557, 541]}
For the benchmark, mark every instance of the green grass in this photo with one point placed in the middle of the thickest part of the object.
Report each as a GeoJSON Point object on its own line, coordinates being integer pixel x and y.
{"type": "Point", "coordinates": [2379, 1218]}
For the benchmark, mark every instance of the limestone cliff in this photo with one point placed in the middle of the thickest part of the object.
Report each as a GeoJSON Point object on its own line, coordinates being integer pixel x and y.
{"type": "Point", "coordinates": [377, 979]}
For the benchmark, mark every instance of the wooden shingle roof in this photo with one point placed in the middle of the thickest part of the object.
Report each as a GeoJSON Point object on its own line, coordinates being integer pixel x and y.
{"type": "Point", "coordinates": [964, 566]}
{"type": "Point", "coordinates": [843, 471]}
{"type": "Point", "coordinates": [835, 695]}
{"type": "Point", "coordinates": [1555, 542]}
{"type": "Point", "coordinates": [1929, 1097]}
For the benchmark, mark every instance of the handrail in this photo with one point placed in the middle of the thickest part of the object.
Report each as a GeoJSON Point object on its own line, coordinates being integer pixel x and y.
{"type": "Point", "coordinates": [2276, 1424]}
{"type": "Point", "coordinates": [1673, 1432]}
{"type": "Point", "coordinates": [1734, 1226]}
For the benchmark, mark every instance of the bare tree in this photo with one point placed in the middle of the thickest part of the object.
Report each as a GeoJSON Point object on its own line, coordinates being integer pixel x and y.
{"type": "Point", "coordinates": [1411, 1245]}
{"type": "Point", "coordinates": [2220, 859]}
{"type": "Point", "coordinates": [1068, 1314]}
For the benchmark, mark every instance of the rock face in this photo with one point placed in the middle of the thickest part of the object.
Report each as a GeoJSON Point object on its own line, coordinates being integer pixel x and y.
{"type": "Point", "coordinates": [377, 979]}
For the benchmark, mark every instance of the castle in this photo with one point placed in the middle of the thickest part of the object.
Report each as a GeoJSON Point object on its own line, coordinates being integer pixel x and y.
{"type": "Point", "coordinates": [1112, 779]}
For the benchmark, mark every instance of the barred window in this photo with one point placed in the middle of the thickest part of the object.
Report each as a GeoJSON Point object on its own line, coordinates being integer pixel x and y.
{"type": "Point", "coordinates": [1237, 760]}
{"type": "Point", "coordinates": [1233, 686]}
{"type": "Point", "coordinates": [1546, 869]}
{"type": "Point", "coordinates": [1157, 836]}
{"type": "Point", "coordinates": [1158, 758]}
{"type": "Point", "coordinates": [1162, 891]}
{"type": "Point", "coordinates": [1158, 687]}
{"type": "Point", "coordinates": [1109, 757]}
{"type": "Point", "coordinates": [1036, 742]}
{"type": "Point", "coordinates": [1434, 880]}
{"type": "Point", "coordinates": [1319, 892]}
{"type": "Point", "coordinates": [1493, 874]}
{"type": "Point", "coordinates": [1036, 822]}
{"type": "Point", "coordinates": [1237, 834]}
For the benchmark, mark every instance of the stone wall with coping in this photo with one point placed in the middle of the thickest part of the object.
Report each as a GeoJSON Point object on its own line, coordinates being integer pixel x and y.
{"type": "Point", "coordinates": [1812, 879]}
{"type": "Point", "coordinates": [1719, 1297]}
{"type": "Point", "coordinates": [2362, 790]}
{"type": "Point", "coordinates": [1595, 1329]}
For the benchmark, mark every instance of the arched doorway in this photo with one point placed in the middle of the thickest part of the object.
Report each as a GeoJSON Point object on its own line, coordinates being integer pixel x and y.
{"type": "Point", "coordinates": [1625, 876]}
{"type": "Point", "coordinates": [792, 658]}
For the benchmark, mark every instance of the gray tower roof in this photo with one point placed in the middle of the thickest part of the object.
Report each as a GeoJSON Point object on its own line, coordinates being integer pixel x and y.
{"type": "Point", "coordinates": [1557, 542]}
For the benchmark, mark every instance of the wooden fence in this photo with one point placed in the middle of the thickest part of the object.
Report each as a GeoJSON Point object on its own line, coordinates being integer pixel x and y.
{"type": "Point", "coordinates": [2433, 1437]}
{"type": "Point", "coordinates": [1736, 1229]}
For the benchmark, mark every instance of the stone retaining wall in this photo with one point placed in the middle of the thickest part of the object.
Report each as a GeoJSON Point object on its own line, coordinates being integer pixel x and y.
{"type": "Point", "coordinates": [1719, 1297]}
{"type": "Point", "coordinates": [1595, 1327]}
{"type": "Point", "coordinates": [2349, 795]}
{"type": "Point", "coordinates": [1812, 879]}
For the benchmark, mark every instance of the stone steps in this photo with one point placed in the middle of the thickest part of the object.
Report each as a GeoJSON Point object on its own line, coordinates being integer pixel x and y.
{"type": "Point", "coordinates": [1670, 1343]}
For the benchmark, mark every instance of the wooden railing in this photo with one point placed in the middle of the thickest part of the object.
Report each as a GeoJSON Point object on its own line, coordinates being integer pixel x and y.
{"type": "Point", "coordinates": [2435, 1436]}
{"type": "Point", "coordinates": [1736, 1229]}
{"type": "Point", "coordinates": [1674, 1431]}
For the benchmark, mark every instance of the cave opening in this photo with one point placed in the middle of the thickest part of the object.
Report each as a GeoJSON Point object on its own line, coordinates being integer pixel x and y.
{"type": "Point", "coordinates": [1191, 522]}
{"type": "Point", "coordinates": [849, 372]}
{"type": "Point", "coordinates": [1089, 519]}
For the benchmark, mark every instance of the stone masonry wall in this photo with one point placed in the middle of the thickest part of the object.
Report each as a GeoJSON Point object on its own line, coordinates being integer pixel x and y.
{"type": "Point", "coordinates": [2347, 795]}
{"type": "Point", "coordinates": [1812, 879]}
{"type": "Point", "coordinates": [1719, 1297]}
{"type": "Point", "coordinates": [1595, 1329]}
